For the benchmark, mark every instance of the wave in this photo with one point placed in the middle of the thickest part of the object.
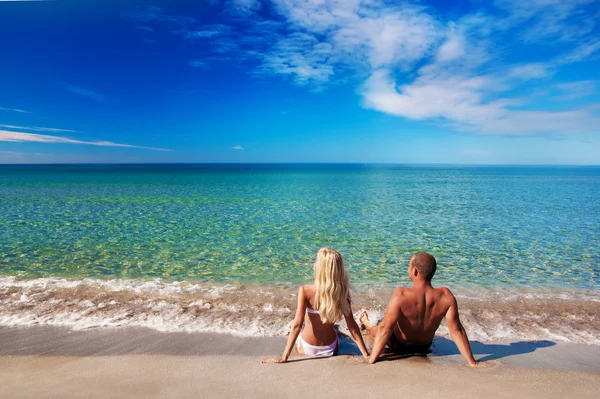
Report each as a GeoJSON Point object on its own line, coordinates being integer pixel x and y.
{"type": "Point", "coordinates": [489, 314]}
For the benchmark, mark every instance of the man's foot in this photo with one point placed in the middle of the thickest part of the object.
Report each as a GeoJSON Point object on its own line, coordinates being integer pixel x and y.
{"type": "Point", "coordinates": [363, 318]}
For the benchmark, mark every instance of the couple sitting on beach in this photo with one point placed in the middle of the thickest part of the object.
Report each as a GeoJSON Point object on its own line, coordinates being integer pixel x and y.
{"type": "Point", "coordinates": [412, 317]}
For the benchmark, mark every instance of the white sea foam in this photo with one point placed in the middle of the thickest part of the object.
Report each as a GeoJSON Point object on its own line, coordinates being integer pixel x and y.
{"type": "Point", "coordinates": [266, 310]}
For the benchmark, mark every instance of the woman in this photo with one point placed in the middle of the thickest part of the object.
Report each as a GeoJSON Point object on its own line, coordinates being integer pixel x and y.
{"type": "Point", "coordinates": [324, 303]}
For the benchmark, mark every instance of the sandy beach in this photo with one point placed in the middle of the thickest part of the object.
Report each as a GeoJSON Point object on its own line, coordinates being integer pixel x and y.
{"type": "Point", "coordinates": [136, 362]}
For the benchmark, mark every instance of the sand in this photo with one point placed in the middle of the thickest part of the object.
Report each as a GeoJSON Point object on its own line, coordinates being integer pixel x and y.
{"type": "Point", "coordinates": [131, 363]}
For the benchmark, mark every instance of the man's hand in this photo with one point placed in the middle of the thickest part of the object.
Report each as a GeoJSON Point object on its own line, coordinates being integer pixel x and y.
{"type": "Point", "coordinates": [273, 360]}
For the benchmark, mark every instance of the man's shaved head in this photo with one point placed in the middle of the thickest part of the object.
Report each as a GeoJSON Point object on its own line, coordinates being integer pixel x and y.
{"type": "Point", "coordinates": [425, 264]}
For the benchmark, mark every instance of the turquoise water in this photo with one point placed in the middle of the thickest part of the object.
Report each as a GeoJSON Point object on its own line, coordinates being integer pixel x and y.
{"type": "Point", "coordinates": [487, 226]}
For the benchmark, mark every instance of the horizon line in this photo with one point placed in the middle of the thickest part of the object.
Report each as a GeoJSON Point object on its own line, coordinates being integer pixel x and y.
{"type": "Point", "coordinates": [294, 163]}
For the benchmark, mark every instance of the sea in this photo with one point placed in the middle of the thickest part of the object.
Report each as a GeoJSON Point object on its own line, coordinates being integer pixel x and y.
{"type": "Point", "coordinates": [224, 247]}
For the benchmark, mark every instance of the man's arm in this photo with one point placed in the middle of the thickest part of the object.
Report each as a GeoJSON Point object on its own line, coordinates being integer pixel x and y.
{"type": "Point", "coordinates": [458, 333]}
{"type": "Point", "coordinates": [386, 327]}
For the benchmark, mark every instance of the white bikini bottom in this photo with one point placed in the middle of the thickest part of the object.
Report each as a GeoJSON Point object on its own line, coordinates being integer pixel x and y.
{"type": "Point", "coordinates": [318, 351]}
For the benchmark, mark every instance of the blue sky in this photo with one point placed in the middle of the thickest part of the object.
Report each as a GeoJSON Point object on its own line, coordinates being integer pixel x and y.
{"type": "Point", "coordinates": [469, 82]}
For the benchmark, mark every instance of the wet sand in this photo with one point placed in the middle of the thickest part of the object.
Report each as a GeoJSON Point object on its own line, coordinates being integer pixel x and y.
{"type": "Point", "coordinates": [136, 362]}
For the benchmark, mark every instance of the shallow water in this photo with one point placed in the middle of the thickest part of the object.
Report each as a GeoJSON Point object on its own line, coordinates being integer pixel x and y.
{"type": "Point", "coordinates": [223, 247]}
{"type": "Point", "coordinates": [487, 226]}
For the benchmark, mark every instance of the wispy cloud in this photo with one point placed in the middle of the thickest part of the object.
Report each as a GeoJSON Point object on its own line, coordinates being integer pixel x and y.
{"type": "Point", "coordinates": [37, 128]}
{"type": "Point", "coordinates": [543, 20]}
{"type": "Point", "coordinates": [207, 31]}
{"type": "Point", "coordinates": [575, 90]}
{"type": "Point", "coordinates": [21, 111]}
{"type": "Point", "coordinates": [243, 7]}
{"type": "Point", "coordinates": [407, 61]}
{"type": "Point", "coordinates": [144, 28]}
{"type": "Point", "coordinates": [198, 63]}
{"type": "Point", "coordinates": [152, 18]}
{"type": "Point", "coordinates": [42, 138]}
{"type": "Point", "coordinates": [82, 91]}
{"type": "Point", "coordinates": [238, 147]}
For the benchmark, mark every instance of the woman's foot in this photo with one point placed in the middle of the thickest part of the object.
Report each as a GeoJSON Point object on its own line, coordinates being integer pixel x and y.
{"type": "Point", "coordinates": [363, 318]}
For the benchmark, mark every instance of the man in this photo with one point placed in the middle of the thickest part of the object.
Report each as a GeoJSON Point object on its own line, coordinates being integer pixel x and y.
{"type": "Point", "coordinates": [414, 314]}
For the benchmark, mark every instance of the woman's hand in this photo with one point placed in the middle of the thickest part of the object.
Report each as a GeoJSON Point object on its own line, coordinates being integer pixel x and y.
{"type": "Point", "coordinates": [273, 360]}
{"type": "Point", "coordinates": [481, 365]}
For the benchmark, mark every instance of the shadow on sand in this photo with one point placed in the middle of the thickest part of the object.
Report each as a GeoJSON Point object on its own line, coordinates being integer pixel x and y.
{"type": "Point", "coordinates": [446, 347]}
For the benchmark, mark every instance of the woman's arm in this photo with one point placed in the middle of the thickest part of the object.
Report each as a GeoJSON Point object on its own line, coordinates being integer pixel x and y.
{"type": "Point", "coordinates": [356, 335]}
{"type": "Point", "coordinates": [296, 327]}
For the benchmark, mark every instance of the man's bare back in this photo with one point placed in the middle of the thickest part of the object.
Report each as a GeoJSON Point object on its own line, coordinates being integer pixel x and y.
{"type": "Point", "coordinates": [414, 314]}
{"type": "Point", "coordinates": [421, 312]}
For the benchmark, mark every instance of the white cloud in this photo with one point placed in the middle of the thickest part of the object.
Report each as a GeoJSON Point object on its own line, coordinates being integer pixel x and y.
{"type": "Point", "coordinates": [460, 102]}
{"type": "Point", "coordinates": [453, 85]}
{"type": "Point", "coordinates": [82, 91]}
{"type": "Point", "coordinates": [21, 111]}
{"type": "Point", "coordinates": [301, 56]}
{"type": "Point", "coordinates": [37, 128]}
{"type": "Point", "coordinates": [238, 147]}
{"type": "Point", "coordinates": [410, 62]}
{"type": "Point", "coordinates": [452, 49]}
{"type": "Point", "coordinates": [359, 35]}
{"type": "Point", "coordinates": [42, 138]}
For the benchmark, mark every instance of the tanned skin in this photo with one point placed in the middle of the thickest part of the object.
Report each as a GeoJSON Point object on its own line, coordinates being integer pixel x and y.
{"type": "Point", "coordinates": [414, 314]}
{"type": "Point", "coordinates": [315, 331]}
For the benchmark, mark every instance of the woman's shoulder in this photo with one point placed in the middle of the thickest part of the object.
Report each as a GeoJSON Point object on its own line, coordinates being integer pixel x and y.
{"type": "Point", "coordinates": [308, 287]}
{"type": "Point", "coordinates": [308, 290]}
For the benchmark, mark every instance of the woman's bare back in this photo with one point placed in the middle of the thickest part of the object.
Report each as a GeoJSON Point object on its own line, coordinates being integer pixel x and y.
{"type": "Point", "coordinates": [316, 332]}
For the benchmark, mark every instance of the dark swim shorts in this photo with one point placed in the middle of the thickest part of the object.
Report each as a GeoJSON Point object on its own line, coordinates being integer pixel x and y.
{"type": "Point", "coordinates": [399, 348]}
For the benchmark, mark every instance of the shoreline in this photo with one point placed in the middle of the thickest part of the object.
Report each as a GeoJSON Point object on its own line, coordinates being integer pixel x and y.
{"type": "Point", "coordinates": [138, 362]}
{"type": "Point", "coordinates": [48, 341]}
{"type": "Point", "coordinates": [245, 309]}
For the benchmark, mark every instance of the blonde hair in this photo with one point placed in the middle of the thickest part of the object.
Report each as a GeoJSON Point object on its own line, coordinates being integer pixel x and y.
{"type": "Point", "coordinates": [332, 298]}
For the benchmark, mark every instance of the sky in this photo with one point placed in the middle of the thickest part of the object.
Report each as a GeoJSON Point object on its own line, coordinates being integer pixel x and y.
{"type": "Point", "coordinates": [362, 81]}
